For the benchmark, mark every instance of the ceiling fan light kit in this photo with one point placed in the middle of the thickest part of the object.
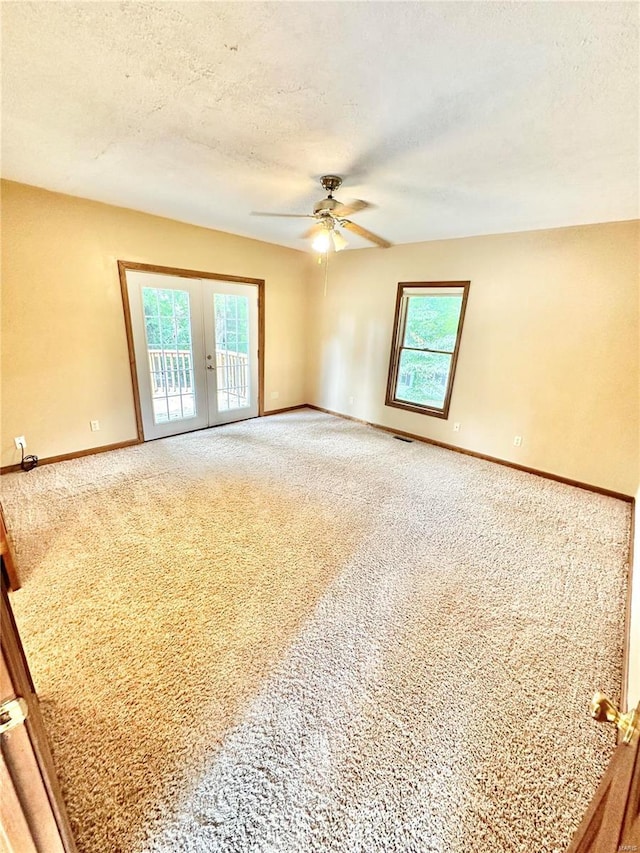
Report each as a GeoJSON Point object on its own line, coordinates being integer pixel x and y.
{"type": "Point", "coordinates": [327, 235]}
{"type": "Point", "coordinates": [330, 213]}
{"type": "Point", "coordinates": [322, 242]}
{"type": "Point", "coordinates": [339, 243]}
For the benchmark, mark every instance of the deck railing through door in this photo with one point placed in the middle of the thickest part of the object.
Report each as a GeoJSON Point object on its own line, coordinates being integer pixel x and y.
{"type": "Point", "coordinates": [172, 372]}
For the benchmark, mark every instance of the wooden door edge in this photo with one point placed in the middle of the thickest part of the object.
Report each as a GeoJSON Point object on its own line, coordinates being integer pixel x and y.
{"type": "Point", "coordinates": [19, 671]}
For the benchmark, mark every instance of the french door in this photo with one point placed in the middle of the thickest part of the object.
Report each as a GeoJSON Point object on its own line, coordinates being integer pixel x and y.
{"type": "Point", "coordinates": [195, 343]}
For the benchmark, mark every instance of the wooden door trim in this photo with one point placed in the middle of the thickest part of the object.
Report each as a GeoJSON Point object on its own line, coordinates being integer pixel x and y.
{"type": "Point", "coordinates": [126, 308]}
{"type": "Point", "coordinates": [6, 554]}
{"type": "Point", "coordinates": [16, 662]}
{"type": "Point", "coordinates": [134, 266]}
{"type": "Point", "coordinates": [632, 577]}
{"type": "Point", "coordinates": [183, 273]}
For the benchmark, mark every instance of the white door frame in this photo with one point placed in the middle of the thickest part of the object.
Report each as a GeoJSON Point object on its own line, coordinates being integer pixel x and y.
{"type": "Point", "coordinates": [124, 266]}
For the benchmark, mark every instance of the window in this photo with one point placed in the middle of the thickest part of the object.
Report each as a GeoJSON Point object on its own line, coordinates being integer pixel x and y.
{"type": "Point", "coordinates": [424, 350]}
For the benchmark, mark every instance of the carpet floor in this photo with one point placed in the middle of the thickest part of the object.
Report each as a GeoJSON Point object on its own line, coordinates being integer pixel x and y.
{"type": "Point", "coordinates": [299, 634]}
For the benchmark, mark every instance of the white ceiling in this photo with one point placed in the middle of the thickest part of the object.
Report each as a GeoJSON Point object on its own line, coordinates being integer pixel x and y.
{"type": "Point", "coordinates": [452, 118]}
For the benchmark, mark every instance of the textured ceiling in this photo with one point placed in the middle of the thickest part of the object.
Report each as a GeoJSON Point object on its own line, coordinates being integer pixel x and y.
{"type": "Point", "coordinates": [452, 118]}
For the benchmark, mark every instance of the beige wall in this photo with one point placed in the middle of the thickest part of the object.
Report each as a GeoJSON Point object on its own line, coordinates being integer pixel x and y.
{"type": "Point", "coordinates": [64, 351]}
{"type": "Point", "coordinates": [549, 349]}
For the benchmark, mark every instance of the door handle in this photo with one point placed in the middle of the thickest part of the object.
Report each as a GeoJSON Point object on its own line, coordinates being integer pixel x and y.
{"type": "Point", "coordinates": [210, 367]}
{"type": "Point", "coordinates": [603, 710]}
{"type": "Point", "coordinates": [12, 713]}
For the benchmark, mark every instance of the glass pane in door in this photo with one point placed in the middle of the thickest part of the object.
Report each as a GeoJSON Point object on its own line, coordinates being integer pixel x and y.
{"type": "Point", "coordinates": [167, 321]}
{"type": "Point", "coordinates": [231, 318]}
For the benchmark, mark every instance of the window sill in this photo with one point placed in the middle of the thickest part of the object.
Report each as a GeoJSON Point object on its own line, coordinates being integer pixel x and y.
{"type": "Point", "coordinates": [414, 407]}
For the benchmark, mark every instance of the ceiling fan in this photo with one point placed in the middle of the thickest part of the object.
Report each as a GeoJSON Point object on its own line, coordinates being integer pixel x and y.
{"type": "Point", "coordinates": [330, 214]}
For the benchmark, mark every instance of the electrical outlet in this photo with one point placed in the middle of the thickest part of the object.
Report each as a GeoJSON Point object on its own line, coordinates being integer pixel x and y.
{"type": "Point", "coordinates": [351, 401]}
{"type": "Point", "coordinates": [21, 442]}
{"type": "Point", "coordinates": [517, 441]}
{"type": "Point", "coordinates": [456, 426]}
{"type": "Point", "coordinates": [95, 426]}
{"type": "Point", "coordinates": [275, 395]}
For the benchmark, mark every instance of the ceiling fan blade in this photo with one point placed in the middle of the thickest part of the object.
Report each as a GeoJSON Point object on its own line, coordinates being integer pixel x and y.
{"type": "Point", "coordinates": [362, 232]}
{"type": "Point", "coordinates": [351, 207]}
{"type": "Point", "coordinates": [285, 215]}
{"type": "Point", "coordinates": [311, 232]}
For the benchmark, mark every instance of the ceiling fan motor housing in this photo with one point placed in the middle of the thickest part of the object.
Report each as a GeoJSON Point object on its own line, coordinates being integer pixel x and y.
{"type": "Point", "coordinates": [326, 206]}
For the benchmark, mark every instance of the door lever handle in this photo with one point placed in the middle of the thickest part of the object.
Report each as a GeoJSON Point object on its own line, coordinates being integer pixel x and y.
{"type": "Point", "coordinates": [210, 367]}
{"type": "Point", "coordinates": [603, 710]}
